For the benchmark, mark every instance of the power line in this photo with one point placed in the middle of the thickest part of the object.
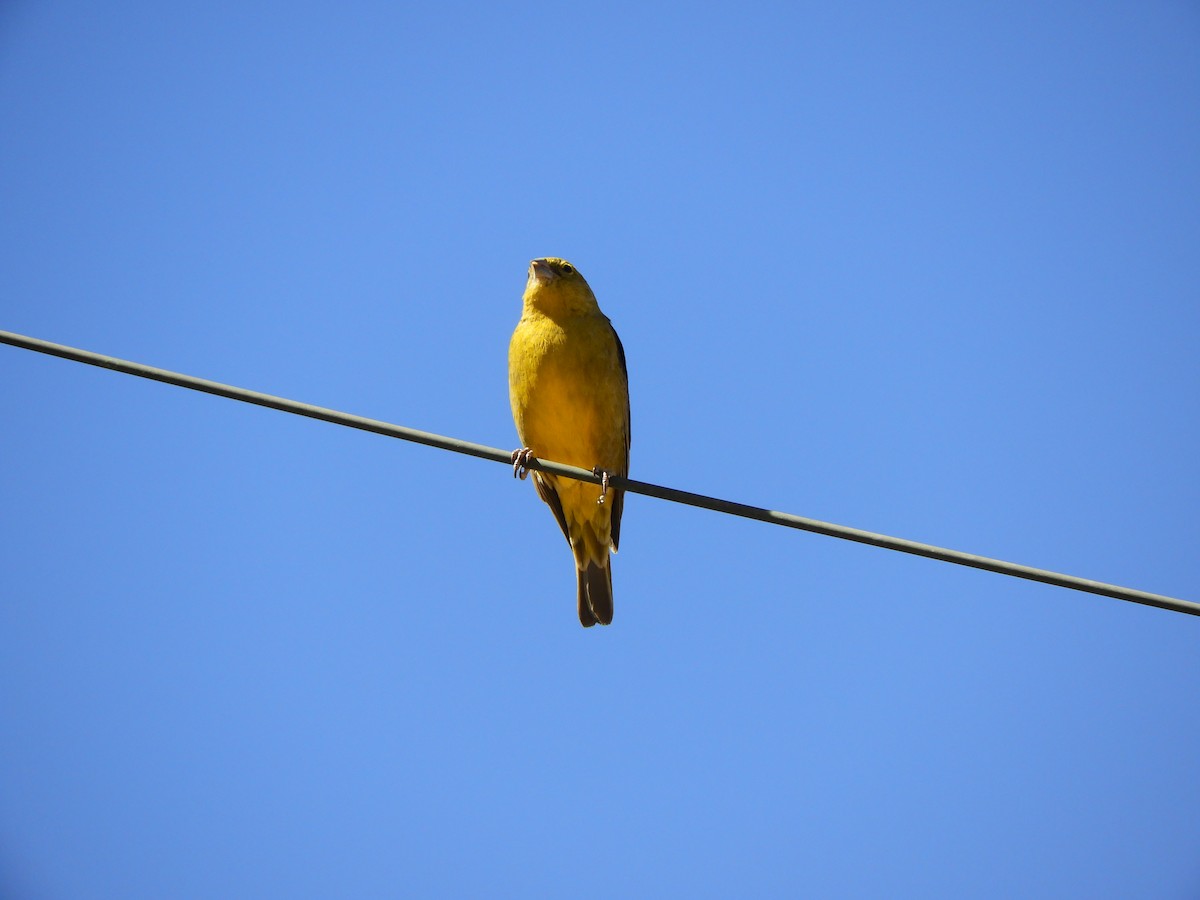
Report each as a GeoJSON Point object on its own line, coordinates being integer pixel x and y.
{"type": "Point", "coordinates": [638, 487]}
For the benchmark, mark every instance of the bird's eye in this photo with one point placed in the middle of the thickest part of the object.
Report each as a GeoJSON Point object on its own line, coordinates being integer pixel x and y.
{"type": "Point", "coordinates": [567, 268]}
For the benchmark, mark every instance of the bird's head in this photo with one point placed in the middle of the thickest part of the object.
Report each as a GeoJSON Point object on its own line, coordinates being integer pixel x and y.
{"type": "Point", "coordinates": [555, 286]}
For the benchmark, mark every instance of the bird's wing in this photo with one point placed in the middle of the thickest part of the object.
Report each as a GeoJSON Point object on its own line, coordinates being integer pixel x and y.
{"type": "Point", "coordinates": [547, 492]}
{"type": "Point", "coordinates": [618, 504]}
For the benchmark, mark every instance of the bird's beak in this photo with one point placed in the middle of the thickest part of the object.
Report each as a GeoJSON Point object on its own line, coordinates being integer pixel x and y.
{"type": "Point", "coordinates": [541, 271]}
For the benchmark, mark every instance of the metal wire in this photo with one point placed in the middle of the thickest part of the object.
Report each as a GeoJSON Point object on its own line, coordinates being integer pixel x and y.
{"type": "Point", "coordinates": [638, 487]}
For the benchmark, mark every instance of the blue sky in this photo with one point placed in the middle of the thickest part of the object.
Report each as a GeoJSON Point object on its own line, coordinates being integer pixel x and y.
{"type": "Point", "coordinates": [927, 269]}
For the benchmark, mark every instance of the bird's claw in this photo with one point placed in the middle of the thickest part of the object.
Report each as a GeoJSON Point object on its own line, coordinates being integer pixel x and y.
{"type": "Point", "coordinates": [603, 476]}
{"type": "Point", "coordinates": [520, 462]}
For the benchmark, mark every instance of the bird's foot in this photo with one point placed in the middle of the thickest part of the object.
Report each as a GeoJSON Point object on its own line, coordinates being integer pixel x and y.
{"type": "Point", "coordinates": [520, 462]}
{"type": "Point", "coordinates": [603, 476]}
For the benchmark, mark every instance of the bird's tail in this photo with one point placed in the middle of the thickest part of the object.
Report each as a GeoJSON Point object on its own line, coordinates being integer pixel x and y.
{"type": "Point", "coordinates": [595, 593]}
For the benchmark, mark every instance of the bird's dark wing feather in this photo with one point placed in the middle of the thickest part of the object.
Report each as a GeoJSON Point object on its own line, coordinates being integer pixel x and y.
{"type": "Point", "coordinates": [618, 503]}
{"type": "Point", "coordinates": [546, 491]}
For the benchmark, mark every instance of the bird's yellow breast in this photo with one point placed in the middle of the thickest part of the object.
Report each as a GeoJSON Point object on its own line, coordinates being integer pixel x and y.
{"type": "Point", "coordinates": [568, 390]}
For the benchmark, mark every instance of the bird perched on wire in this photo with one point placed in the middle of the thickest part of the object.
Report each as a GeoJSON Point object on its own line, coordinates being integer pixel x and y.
{"type": "Point", "coordinates": [570, 401]}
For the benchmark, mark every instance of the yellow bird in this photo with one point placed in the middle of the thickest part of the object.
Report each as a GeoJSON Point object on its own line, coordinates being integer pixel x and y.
{"type": "Point", "coordinates": [570, 401]}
